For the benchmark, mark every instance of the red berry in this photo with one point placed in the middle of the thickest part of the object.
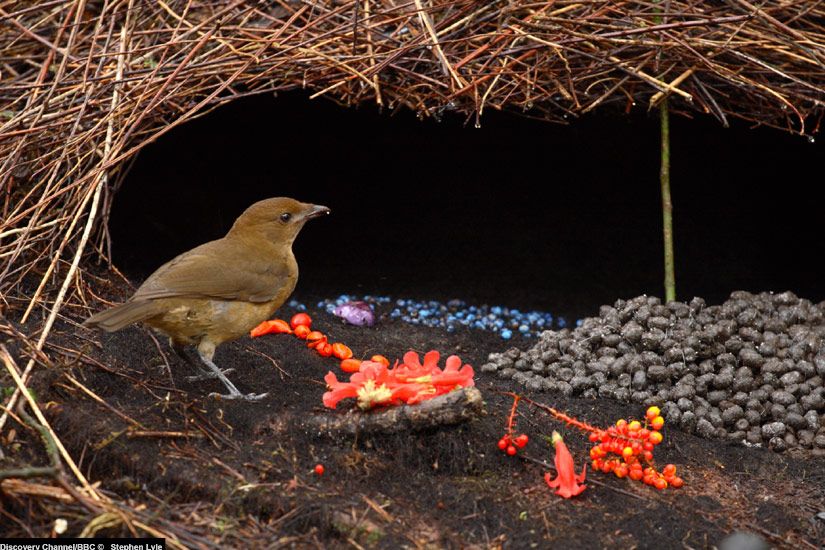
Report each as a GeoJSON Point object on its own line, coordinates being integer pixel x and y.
{"type": "Point", "coordinates": [659, 483]}
{"type": "Point", "coordinates": [511, 450]}
{"type": "Point", "coordinates": [502, 443]}
{"type": "Point", "coordinates": [301, 331]}
{"type": "Point", "coordinates": [635, 474]}
{"type": "Point", "coordinates": [319, 469]}
{"type": "Point", "coordinates": [677, 482]}
{"type": "Point", "coordinates": [300, 319]}
{"type": "Point", "coordinates": [521, 441]}
{"type": "Point", "coordinates": [275, 326]}
{"type": "Point", "coordinates": [380, 359]}
{"type": "Point", "coordinates": [669, 470]}
{"type": "Point", "coordinates": [324, 350]}
{"type": "Point", "coordinates": [314, 338]}
{"type": "Point", "coordinates": [351, 365]}
{"type": "Point", "coordinates": [341, 351]}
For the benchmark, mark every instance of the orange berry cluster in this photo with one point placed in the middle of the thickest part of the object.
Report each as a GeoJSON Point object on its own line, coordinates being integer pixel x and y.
{"type": "Point", "coordinates": [633, 442]}
{"type": "Point", "coordinates": [299, 326]}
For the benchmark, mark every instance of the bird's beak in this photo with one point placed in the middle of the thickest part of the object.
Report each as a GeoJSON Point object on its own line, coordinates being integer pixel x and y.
{"type": "Point", "coordinates": [316, 211]}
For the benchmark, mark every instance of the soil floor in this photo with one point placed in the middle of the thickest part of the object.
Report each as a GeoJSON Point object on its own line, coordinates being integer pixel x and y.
{"type": "Point", "coordinates": [243, 473]}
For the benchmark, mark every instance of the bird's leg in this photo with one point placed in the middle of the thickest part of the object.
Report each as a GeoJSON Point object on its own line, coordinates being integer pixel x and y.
{"type": "Point", "coordinates": [205, 374]}
{"type": "Point", "coordinates": [206, 351]}
{"type": "Point", "coordinates": [180, 351]}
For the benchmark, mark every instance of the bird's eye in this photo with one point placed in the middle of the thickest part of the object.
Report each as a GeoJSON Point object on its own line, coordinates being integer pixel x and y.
{"type": "Point", "coordinates": [285, 217]}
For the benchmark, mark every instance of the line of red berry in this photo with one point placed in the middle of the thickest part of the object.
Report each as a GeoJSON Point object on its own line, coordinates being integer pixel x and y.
{"type": "Point", "coordinates": [299, 326]}
{"type": "Point", "coordinates": [509, 443]}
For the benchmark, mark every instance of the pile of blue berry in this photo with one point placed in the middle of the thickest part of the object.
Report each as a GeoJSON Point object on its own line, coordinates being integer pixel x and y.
{"type": "Point", "coordinates": [455, 314]}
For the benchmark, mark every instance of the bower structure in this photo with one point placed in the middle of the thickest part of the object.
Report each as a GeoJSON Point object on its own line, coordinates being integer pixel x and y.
{"type": "Point", "coordinates": [85, 84]}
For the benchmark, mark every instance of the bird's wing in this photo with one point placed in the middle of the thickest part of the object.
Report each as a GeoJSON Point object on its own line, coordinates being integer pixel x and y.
{"type": "Point", "coordinates": [219, 269]}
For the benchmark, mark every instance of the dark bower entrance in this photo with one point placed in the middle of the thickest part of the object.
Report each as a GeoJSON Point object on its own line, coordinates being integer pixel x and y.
{"type": "Point", "coordinates": [518, 212]}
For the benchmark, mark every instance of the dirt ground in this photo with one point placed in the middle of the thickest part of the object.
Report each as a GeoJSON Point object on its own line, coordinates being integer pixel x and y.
{"type": "Point", "coordinates": [242, 472]}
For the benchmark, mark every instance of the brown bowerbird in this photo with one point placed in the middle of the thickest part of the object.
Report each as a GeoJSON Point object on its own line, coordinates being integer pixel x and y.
{"type": "Point", "coordinates": [220, 290]}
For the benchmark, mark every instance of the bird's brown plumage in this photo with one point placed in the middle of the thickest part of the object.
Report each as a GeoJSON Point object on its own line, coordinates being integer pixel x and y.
{"type": "Point", "coordinates": [220, 290]}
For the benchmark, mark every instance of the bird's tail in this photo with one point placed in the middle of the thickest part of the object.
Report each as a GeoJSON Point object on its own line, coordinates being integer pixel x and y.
{"type": "Point", "coordinates": [123, 315]}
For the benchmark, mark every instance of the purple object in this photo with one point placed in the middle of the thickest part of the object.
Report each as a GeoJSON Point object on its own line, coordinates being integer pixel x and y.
{"type": "Point", "coordinates": [356, 313]}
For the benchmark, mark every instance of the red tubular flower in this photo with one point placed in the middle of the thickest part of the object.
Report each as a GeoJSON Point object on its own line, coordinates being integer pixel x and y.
{"type": "Point", "coordinates": [566, 482]}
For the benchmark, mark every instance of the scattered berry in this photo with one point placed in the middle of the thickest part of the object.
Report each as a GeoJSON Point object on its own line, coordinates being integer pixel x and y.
{"type": "Point", "coordinates": [319, 468]}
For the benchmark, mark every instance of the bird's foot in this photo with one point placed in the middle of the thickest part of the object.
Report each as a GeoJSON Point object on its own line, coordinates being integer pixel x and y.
{"type": "Point", "coordinates": [207, 375]}
{"type": "Point", "coordinates": [239, 396]}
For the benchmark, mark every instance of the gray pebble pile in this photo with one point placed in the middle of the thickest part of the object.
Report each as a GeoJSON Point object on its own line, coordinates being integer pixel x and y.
{"type": "Point", "coordinates": [750, 369]}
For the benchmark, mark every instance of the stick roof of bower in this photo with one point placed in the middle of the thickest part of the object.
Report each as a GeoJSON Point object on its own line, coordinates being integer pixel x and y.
{"type": "Point", "coordinates": [84, 84]}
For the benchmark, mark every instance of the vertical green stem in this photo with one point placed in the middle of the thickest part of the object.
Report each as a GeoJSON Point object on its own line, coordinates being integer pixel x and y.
{"type": "Point", "coordinates": [667, 205]}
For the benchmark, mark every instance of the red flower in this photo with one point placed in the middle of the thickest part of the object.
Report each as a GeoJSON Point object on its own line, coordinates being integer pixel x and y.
{"type": "Point", "coordinates": [369, 385]}
{"type": "Point", "coordinates": [567, 482]}
{"type": "Point", "coordinates": [439, 382]}
{"type": "Point", "coordinates": [454, 375]}
{"type": "Point", "coordinates": [409, 382]}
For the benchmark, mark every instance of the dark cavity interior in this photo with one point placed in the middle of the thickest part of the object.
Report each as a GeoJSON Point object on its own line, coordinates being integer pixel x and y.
{"type": "Point", "coordinates": [518, 212]}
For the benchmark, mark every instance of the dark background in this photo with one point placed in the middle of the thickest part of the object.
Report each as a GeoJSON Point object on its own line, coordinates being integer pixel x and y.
{"type": "Point", "coordinates": [518, 212]}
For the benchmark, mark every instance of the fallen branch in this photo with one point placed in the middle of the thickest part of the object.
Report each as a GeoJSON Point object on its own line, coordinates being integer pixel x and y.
{"type": "Point", "coordinates": [445, 410]}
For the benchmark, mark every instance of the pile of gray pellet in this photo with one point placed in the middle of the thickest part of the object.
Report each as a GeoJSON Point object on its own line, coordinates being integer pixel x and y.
{"type": "Point", "coordinates": [751, 369]}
